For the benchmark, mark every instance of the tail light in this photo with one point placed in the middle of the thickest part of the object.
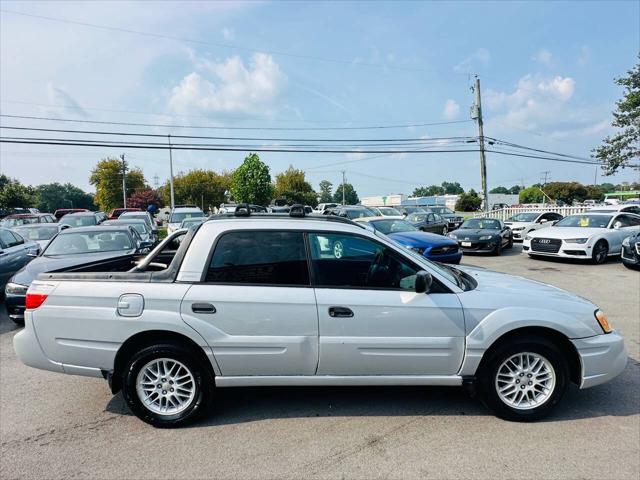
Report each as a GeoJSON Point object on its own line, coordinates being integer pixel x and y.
{"type": "Point", "coordinates": [37, 294]}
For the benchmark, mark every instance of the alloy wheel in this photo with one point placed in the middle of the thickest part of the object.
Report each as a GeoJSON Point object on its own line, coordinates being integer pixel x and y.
{"type": "Point", "coordinates": [525, 380]}
{"type": "Point", "coordinates": [165, 386]}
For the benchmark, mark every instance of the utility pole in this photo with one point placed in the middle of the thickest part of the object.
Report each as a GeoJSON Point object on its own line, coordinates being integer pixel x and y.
{"type": "Point", "coordinates": [476, 113]}
{"type": "Point", "coordinates": [171, 174]}
{"type": "Point", "coordinates": [124, 183]}
{"type": "Point", "coordinates": [544, 184]}
{"type": "Point", "coordinates": [343, 180]}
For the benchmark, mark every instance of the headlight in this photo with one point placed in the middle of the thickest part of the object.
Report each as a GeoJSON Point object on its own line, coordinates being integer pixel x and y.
{"type": "Point", "coordinates": [16, 289]}
{"type": "Point", "coordinates": [486, 237]}
{"type": "Point", "coordinates": [452, 235]}
{"type": "Point", "coordinates": [517, 229]}
{"type": "Point", "coordinates": [576, 240]}
{"type": "Point", "coordinates": [602, 320]}
{"type": "Point", "coordinates": [626, 242]}
{"type": "Point", "coordinates": [418, 250]}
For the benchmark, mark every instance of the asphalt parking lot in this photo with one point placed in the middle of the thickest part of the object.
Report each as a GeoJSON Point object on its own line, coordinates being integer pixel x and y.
{"type": "Point", "coordinates": [56, 426]}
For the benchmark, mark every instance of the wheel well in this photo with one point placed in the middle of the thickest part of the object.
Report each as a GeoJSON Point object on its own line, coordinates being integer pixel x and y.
{"type": "Point", "coordinates": [148, 338]}
{"type": "Point", "coordinates": [560, 340]}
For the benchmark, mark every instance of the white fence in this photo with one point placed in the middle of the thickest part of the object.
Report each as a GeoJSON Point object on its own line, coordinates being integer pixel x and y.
{"type": "Point", "coordinates": [509, 212]}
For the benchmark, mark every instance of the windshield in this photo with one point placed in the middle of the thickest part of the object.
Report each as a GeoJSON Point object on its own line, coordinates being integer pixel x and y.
{"type": "Point", "coordinates": [139, 227]}
{"type": "Point", "coordinates": [442, 210]}
{"type": "Point", "coordinates": [89, 242]}
{"type": "Point", "coordinates": [136, 216]}
{"type": "Point", "coordinates": [191, 222]}
{"type": "Point", "coordinates": [79, 221]}
{"type": "Point", "coordinates": [177, 217]}
{"type": "Point", "coordinates": [37, 233]}
{"type": "Point", "coordinates": [524, 217]}
{"type": "Point", "coordinates": [359, 213]}
{"type": "Point", "coordinates": [585, 221]}
{"type": "Point", "coordinates": [393, 226]}
{"type": "Point", "coordinates": [390, 212]}
{"type": "Point", "coordinates": [481, 223]}
{"type": "Point", "coordinates": [13, 222]}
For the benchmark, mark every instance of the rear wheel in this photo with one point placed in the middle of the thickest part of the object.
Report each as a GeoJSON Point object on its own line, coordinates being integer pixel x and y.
{"type": "Point", "coordinates": [600, 252]}
{"type": "Point", "coordinates": [524, 379]}
{"type": "Point", "coordinates": [166, 385]}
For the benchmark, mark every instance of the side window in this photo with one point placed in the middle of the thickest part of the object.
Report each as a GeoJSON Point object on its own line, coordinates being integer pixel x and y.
{"type": "Point", "coordinates": [340, 260]}
{"type": "Point", "coordinates": [627, 220]}
{"type": "Point", "coordinates": [259, 257]}
{"type": "Point", "coordinates": [633, 209]}
{"type": "Point", "coordinates": [431, 218]}
{"type": "Point", "coordinates": [6, 239]}
{"type": "Point", "coordinates": [18, 240]}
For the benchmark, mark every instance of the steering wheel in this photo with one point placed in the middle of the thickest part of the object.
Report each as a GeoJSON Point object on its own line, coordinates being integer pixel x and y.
{"type": "Point", "coordinates": [375, 266]}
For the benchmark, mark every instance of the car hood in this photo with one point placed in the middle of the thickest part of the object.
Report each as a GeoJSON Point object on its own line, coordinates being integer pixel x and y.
{"type": "Point", "coordinates": [58, 263]}
{"type": "Point", "coordinates": [421, 239]}
{"type": "Point", "coordinates": [567, 232]}
{"type": "Point", "coordinates": [475, 232]}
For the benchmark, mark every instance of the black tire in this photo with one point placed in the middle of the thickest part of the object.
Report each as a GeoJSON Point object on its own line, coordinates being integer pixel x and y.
{"type": "Point", "coordinates": [203, 385]}
{"type": "Point", "coordinates": [498, 248]}
{"type": "Point", "coordinates": [600, 252]}
{"type": "Point", "coordinates": [486, 378]}
{"type": "Point", "coordinates": [510, 244]}
{"type": "Point", "coordinates": [630, 266]}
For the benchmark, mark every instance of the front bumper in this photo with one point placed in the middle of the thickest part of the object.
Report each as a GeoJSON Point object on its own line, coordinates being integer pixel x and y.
{"type": "Point", "coordinates": [602, 357]}
{"type": "Point", "coordinates": [478, 246]}
{"type": "Point", "coordinates": [15, 306]}
{"type": "Point", "coordinates": [453, 257]}
{"type": "Point", "coordinates": [453, 224]}
{"type": "Point", "coordinates": [518, 234]}
{"type": "Point", "coordinates": [566, 250]}
{"type": "Point", "coordinates": [631, 254]}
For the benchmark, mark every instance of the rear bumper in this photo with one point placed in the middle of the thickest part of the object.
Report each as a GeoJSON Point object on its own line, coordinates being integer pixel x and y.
{"type": "Point", "coordinates": [603, 358]}
{"type": "Point", "coordinates": [29, 352]}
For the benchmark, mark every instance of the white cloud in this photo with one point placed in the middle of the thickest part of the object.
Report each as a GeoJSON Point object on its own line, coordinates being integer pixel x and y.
{"type": "Point", "coordinates": [543, 56]}
{"type": "Point", "coordinates": [228, 33]}
{"type": "Point", "coordinates": [230, 87]}
{"type": "Point", "coordinates": [451, 109]}
{"type": "Point", "coordinates": [480, 57]}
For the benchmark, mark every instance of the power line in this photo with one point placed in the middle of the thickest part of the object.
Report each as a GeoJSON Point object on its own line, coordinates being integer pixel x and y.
{"type": "Point", "coordinates": [566, 160]}
{"type": "Point", "coordinates": [217, 127]}
{"type": "Point", "coordinates": [221, 45]}
{"type": "Point", "coordinates": [502, 142]}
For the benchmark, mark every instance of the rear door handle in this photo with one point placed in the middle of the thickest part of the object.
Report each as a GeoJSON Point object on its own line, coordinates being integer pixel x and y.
{"type": "Point", "coordinates": [340, 312]}
{"type": "Point", "coordinates": [202, 308]}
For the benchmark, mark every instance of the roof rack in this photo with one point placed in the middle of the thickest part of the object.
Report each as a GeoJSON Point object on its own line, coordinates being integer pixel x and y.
{"type": "Point", "coordinates": [243, 210]}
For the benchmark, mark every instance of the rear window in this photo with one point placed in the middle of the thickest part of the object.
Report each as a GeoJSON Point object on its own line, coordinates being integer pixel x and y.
{"type": "Point", "coordinates": [259, 258]}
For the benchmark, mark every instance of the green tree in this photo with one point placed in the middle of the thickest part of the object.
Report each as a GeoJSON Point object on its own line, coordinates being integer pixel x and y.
{"type": "Point", "coordinates": [594, 192]}
{"type": "Point", "coordinates": [452, 188]}
{"type": "Point", "coordinates": [205, 188]}
{"type": "Point", "coordinates": [52, 196]}
{"type": "Point", "coordinates": [566, 192]}
{"type": "Point", "coordinates": [292, 186]}
{"type": "Point", "coordinates": [107, 178]}
{"type": "Point", "coordinates": [350, 195]}
{"type": "Point", "coordinates": [428, 191]}
{"type": "Point", "coordinates": [251, 181]}
{"type": "Point", "coordinates": [326, 188]}
{"type": "Point", "coordinates": [468, 202]}
{"type": "Point", "coordinates": [14, 194]}
{"type": "Point", "coordinates": [531, 195]}
{"type": "Point", "coordinates": [619, 150]}
{"type": "Point", "coordinates": [502, 190]}
{"type": "Point", "coordinates": [515, 190]}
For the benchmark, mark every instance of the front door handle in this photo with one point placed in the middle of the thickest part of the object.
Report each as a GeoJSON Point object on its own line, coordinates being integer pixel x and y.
{"type": "Point", "coordinates": [202, 308]}
{"type": "Point", "coordinates": [340, 312]}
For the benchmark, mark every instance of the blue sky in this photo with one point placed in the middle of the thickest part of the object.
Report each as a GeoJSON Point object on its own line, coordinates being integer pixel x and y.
{"type": "Point", "coordinates": [546, 69]}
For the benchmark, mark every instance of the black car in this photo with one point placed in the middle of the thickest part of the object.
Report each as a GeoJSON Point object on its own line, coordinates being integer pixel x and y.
{"type": "Point", "coordinates": [350, 211]}
{"type": "Point", "coordinates": [428, 222]}
{"type": "Point", "coordinates": [83, 249]}
{"type": "Point", "coordinates": [631, 251]}
{"type": "Point", "coordinates": [488, 235]}
{"type": "Point", "coordinates": [407, 210]}
{"type": "Point", "coordinates": [453, 220]}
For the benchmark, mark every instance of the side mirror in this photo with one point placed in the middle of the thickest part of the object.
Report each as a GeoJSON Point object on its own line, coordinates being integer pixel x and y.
{"type": "Point", "coordinates": [32, 252]}
{"type": "Point", "coordinates": [144, 244]}
{"type": "Point", "coordinates": [423, 281]}
{"type": "Point", "coordinates": [64, 227]}
{"type": "Point", "coordinates": [544, 220]}
{"type": "Point", "coordinates": [617, 226]}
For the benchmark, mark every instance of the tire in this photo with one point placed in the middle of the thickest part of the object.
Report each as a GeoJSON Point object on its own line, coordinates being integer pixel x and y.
{"type": "Point", "coordinates": [444, 230]}
{"type": "Point", "coordinates": [498, 249]}
{"type": "Point", "coordinates": [198, 388]}
{"type": "Point", "coordinates": [556, 379]}
{"type": "Point", "coordinates": [510, 244]}
{"type": "Point", "coordinates": [600, 252]}
{"type": "Point", "coordinates": [631, 266]}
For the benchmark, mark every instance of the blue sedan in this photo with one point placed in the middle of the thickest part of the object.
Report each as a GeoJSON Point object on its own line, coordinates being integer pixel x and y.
{"type": "Point", "coordinates": [430, 245]}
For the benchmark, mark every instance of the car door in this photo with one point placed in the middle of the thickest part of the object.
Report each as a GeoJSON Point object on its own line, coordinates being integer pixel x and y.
{"type": "Point", "coordinates": [627, 225]}
{"type": "Point", "coordinates": [371, 320]}
{"type": "Point", "coordinates": [13, 254]}
{"type": "Point", "coordinates": [255, 306]}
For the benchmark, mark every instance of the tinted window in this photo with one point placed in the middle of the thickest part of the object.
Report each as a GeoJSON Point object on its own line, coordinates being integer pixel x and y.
{"type": "Point", "coordinates": [627, 221]}
{"type": "Point", "coordinates": [9, 239]}
{"type": "Point", "coordinates": [262, 257]}
{"type": "Point", "coordinates": [340, 260]}
{"type": "Point", "coordinates": [74, 243]}
{"type": "Point", "coordinates": [79, 220]}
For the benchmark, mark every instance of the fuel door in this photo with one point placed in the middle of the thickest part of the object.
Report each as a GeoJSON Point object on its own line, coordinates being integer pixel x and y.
{"type": "Point", "coordinates": [130, 305]}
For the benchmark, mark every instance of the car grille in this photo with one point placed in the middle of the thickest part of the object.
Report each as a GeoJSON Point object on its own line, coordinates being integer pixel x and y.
{"type": "Point", "coordinates": [443, 250]}
{"type": "Point", "coordinates": [547, 245]}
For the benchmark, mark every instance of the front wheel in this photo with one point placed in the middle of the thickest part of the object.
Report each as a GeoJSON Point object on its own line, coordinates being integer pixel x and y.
{"type": "Point", "coordinates": [166, 385]}
{"type": "Point", "coordinates": [600, 252]}
{"type": "Point", "coordinates": [524, 379]}
{"type": "Point", "coordinates": [510, 244]}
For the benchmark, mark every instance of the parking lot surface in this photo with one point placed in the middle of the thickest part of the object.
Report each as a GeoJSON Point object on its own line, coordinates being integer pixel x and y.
{"type": "Point", "coordinates": [57, 426]}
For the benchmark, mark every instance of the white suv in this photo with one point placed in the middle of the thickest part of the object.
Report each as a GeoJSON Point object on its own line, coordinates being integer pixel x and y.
{"type": "Point", "coordinates": [178, 214]}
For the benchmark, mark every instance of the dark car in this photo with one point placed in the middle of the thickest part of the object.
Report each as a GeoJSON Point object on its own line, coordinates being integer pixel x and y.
{"type": "Point", "coordinates": [83, 249]}
{"type": "Point", "coordinates": [428, 222]}
{"type": "Point", "coordinates": [407, 210]}
{"type": "Point", "coordinates": [453, 220]}
{"type": "Point", "coordinates": [483, 235]}
{"type": "Point", "coordinates": [80, 219]}
{"type": "Point", "coordinates": [18, 219]}
{"type": "Point", "coordinates": [350, 211]}
{"type": "Point", "coordinates": [15, 253]}
{"type": "Point", "coordinates": [631, 251]}
{"type": "Point", "coordinates": [429, 245]}
{"type": "Point", "coordinates": [61, 212]}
